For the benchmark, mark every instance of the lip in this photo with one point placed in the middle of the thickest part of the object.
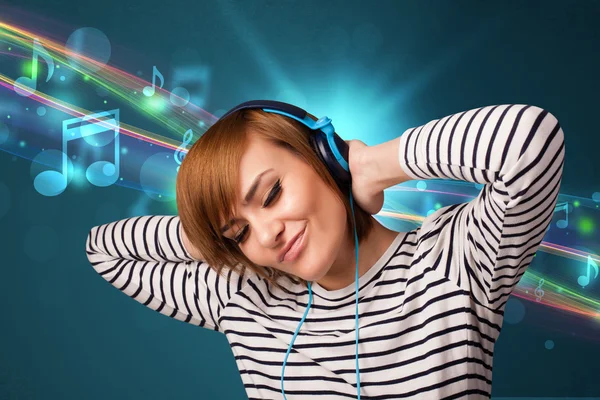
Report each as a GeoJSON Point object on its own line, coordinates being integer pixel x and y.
{"type": "Point", "coordinates": [286, 254]}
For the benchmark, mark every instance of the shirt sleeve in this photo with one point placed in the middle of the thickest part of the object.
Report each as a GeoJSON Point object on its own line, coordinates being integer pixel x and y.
{"type": "Point", "coordinates": [517, 152]}
{"type": "Point", "coordinates": [144, 257]}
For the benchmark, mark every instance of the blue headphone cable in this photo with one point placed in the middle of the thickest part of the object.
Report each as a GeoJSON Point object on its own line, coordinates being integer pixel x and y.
{"type": "Point", "coordinates": [310, 303]}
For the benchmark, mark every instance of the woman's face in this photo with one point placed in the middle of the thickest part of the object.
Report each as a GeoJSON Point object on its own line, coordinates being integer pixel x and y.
{"type": "Point", "coordinates": [277, 212]}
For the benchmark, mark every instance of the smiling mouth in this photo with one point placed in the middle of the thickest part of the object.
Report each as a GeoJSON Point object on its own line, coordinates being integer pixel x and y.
{"type": "Point", "coordinates": [296, 248]}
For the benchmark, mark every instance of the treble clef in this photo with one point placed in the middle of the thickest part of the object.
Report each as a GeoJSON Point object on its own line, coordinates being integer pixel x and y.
{"type": "Point", "coordinates": [539, 293]}
{"type": "Point", "coordinates": [187, 138]}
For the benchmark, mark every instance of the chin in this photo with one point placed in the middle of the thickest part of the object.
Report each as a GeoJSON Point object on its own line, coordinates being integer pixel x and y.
{"type": "Point", "coordinates": [315, 274]}
{"type": "Point", "coordinates": [312, 269]}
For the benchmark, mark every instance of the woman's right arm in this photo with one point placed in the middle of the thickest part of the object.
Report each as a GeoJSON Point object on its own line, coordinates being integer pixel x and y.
{"type": "Point", "coordinates": [145, 258]}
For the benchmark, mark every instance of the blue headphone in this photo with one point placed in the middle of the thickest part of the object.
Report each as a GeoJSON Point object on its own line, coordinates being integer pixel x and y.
{"type": "Point", "coordinates": [333, 152]}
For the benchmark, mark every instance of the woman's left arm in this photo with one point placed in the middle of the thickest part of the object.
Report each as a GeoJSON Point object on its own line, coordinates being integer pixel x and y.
{"type": "Point", "coordinates": [517, 151]}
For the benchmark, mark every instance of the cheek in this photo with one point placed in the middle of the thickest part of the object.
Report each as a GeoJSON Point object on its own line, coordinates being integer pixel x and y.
{"type": "Point", "coordinates": [328, 221]}
{"type": "Point", "coordinates": [298, 200]}
{"type": "Point", "coordinates": [330, 209]}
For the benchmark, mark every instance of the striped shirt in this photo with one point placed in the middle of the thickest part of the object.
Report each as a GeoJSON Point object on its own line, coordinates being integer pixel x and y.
{"type": "Point", "coordinates": [431, 308]}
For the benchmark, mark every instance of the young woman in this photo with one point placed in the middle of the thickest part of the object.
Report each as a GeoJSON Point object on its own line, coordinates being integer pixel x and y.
{"type": "Point", "coordinates": [239, 256]}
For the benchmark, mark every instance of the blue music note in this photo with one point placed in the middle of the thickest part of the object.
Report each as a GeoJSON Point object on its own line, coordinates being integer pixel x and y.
{"type": "Point", "coordinates": [100, 173]}
{"type": "Point", "coordinates": [584, 280]}
{"type": "Point", "coordinates": [562, 223]}
{"type": "Point", "coordinates": [187, 138]}
{"type": "Point", "coordinates": [26, 86]}
{"type": "Point", "coordinates": [149, 90]}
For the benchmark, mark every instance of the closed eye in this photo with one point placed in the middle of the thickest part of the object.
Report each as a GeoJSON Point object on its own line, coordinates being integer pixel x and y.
{"type": "Point", "coordinates": [239, 238]}
{"type": "Point", "coordinates": [274, 192]}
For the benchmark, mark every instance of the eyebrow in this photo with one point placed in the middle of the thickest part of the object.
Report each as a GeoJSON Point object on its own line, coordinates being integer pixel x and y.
{"type": "Point", "coordinates": [249, 196]}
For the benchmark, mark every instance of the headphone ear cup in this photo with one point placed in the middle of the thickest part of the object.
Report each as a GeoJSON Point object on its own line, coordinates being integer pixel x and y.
{"type": "Point", "coordinates": [320, 145]}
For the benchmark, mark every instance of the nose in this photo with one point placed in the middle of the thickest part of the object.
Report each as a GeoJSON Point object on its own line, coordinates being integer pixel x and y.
{"type": "Point", "coordinates": [268, 230]}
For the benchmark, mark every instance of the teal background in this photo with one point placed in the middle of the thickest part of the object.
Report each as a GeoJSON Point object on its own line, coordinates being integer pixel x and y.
{"type": "Point", "coordinates": [66, 333]}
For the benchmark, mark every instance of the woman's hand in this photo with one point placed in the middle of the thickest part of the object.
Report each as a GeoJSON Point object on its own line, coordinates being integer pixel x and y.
{"type": "Point", "coordinates": [366, 191]}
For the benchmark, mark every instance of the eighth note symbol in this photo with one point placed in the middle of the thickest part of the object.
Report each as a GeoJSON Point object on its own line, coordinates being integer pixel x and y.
{"type": "Point", "coordinates": [562, 223]}
{"type": "Point", "coordinates": [149, 90]}
{"type": "Point", "coordinates": [539, 293]}
{"type": "Point", "coordinates": [26, 86]}
{"type": "Point", "coordinates": [187, 138]}
{"type": "Point", "coordinates": [584, 280]}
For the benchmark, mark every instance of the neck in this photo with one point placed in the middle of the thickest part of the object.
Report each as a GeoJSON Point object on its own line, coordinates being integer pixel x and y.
{"type": "Point", "coordinates": [343, 271]}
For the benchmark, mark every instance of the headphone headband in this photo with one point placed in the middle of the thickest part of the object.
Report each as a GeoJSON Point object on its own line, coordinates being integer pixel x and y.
{"type": "Point", "coordinates": [332, 150]}
{"type": "Point", "coordinates": [294, 111]}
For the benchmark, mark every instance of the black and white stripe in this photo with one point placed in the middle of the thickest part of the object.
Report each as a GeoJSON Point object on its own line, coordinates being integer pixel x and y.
{"type": "Point", "coordinates": [430, 309]}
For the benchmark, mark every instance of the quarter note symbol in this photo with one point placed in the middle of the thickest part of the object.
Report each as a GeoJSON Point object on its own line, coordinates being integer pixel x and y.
{"type": "Point", "coordinates": [584, 280]}
{"type": "Point", "coordinates": [99, 173]}
{"type": "Point", "coordinates": [562, 223]}
{"type": "Point", "coordinates": [26, 86]}
{"type": "Point", "coordinates": [149, 90]}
